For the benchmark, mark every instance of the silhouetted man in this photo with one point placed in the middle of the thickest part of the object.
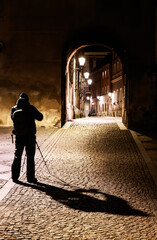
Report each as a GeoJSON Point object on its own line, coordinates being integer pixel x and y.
{"type": "Point", "coordinates": [24, 115]}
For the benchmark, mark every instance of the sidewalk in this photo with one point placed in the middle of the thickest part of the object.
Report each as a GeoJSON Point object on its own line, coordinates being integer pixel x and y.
{"type": "Point", "coordinates": [100, 187]}
{"type": "Point", "coordinates": [148, 148]}
{"type": "Point", "coordinates": [147, 144]}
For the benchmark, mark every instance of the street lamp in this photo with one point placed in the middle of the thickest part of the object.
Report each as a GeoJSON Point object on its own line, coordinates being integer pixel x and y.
{"type": "Point", "coordinates": [86, 75]}
{"type": "Point", "coordinates": [89, 81]}
{"type": "Point", "coordinates": [81, 61]}
{"type": "Point", "coordinates": [110, 94]}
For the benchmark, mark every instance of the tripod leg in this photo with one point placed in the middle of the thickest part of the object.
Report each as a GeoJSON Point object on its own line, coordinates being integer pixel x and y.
{"type": "Point", "coordinates": [42, 157]}
{"type": "Point", "coordinates": [23, 162]}
{"type": "Point", "coordinates": [48, 168]}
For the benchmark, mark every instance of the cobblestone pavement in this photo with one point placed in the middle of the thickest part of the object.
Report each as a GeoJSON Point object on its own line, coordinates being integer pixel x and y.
{"type": "Point", "coordinates": [99, 188]}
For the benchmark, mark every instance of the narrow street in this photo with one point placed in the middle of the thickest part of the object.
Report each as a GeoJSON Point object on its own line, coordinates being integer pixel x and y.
{"type": "Point", "coordinates": [99, 187]}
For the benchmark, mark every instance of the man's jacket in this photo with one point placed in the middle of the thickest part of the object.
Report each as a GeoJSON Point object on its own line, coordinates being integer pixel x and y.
{"type": "Point", "coordinates": [24, 115]}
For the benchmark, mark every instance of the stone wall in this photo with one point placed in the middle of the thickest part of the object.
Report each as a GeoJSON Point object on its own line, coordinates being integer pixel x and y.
{"type": "Point", "coordinates": [35, 34]}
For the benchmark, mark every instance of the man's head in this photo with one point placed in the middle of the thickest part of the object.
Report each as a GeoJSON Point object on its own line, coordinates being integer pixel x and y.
{"type": "Point", "coordinates": [22, 103]}
{"type": "Point", "coordinates": [25, 96]}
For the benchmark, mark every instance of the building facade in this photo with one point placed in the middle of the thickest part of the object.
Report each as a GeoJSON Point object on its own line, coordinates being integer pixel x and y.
{"type": "Point", "coordinates": [101, 90]}
{"type": "Point", "coordinates": [117, 86]}
{"type": "Point", "coordinates": [107, 89]}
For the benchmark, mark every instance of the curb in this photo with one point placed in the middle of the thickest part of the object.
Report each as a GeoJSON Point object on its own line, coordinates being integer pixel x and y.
{"type": "Point", "coordinates": [147, 159]}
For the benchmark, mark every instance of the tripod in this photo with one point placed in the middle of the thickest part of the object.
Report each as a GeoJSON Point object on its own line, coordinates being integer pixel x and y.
{"type": "Point", "coordinates": [45, 165]}
{"type": "Point", "coordinates": [48, 168]}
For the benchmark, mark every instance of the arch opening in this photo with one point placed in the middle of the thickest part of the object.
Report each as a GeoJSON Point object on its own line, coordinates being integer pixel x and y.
{"type": "Point", "coordinates": [105, 93]}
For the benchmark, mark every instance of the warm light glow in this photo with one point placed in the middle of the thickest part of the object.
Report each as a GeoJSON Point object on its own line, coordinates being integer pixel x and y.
{"type": "Point", "coordinates": [82, 61]}
{"type": "Point", "coordinates": [109, 94]}
{"type": "Point", "coordinates": [89, 81]}
{"type": "Point", "coordinates": [101, 99]}
{"type": "Point", "coordinates": [88, 98]}
{"type": "Point", "coordinates": [98, 97]}
{"type": "Point", "coordinates": [86, 75]}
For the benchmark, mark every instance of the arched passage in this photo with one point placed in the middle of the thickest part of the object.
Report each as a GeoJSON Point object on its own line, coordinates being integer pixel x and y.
{"type": "Point", "coordinates": [110, 99]}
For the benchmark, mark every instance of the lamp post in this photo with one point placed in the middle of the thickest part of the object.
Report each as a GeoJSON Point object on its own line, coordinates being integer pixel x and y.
{"type": "Point", "coordinates": [89, 81]}
{"type": "Point", "coordinates": [81, 61]}
{"type": "Point", "coordinates": [85, 83]}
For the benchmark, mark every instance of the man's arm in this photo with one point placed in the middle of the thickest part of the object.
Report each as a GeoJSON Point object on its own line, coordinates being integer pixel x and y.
{"type": "Point", "coordinates": [36, 114]}
{"type": "Point", "coordinates": [12, 111]}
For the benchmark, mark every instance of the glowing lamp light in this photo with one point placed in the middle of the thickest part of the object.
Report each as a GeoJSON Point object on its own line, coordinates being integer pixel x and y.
{"type": "Point", "coordinates": [88, 98]}
{"type": "Point", "coordinates": [110, 94]}
{"type": "Point", "coordinates": [82, 61]}
{"type": "Point", "coordinates": [98, 97]}
{"type": "Point", "coordinates": [86, 75]}
{"type": "Point", "coordinates": [101, 99]}
{"type": "Point", "coordinates": [89, 81]}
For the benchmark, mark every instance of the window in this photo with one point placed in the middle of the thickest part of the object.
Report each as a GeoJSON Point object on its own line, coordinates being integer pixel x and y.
{"type": "Point", "coordinates": [118, 66]}
{"type": "Point", "coordinates": [117, 96]}
{"type": "Point", "coordinates": [105, 90]}
{"type": "Point", "coordinates": [114, 68]}
{"type": "Point", "coordinates": [120, 95]}
{"type": "Point", "coordinates": [108, 73]}
{"type": "Point", "coordinates": [102, 107]}
{"type": "Point", "coordinates": [94, 63]}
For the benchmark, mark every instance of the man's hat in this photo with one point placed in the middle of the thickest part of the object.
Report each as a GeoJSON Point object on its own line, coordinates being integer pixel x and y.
{"type": "Point", "coordinates": [24, 95]}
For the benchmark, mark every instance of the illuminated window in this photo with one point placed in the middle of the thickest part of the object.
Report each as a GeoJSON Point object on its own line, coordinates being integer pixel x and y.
{"type": "Point", "coordinates": [120, 95]}
{"type": "Point", "coordinates": [117, 95]}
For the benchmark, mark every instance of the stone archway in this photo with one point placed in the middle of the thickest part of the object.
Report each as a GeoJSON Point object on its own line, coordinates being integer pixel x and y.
{"type": "Point", "coordinates": [67, 90]}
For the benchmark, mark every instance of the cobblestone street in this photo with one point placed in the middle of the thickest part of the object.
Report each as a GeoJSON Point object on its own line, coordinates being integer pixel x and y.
{"type": "Point", "coordinates": [99, 188]}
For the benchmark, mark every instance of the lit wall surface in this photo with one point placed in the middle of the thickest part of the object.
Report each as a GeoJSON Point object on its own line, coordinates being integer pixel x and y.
{"type": "Point", "coordinates": [35, 34]}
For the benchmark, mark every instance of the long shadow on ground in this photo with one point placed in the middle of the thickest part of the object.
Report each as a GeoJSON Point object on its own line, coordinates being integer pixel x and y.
{"type": "Point", "coordinates": [86, 200]}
